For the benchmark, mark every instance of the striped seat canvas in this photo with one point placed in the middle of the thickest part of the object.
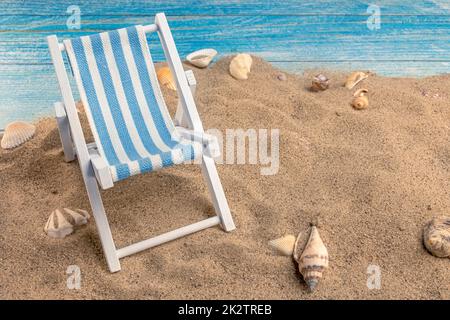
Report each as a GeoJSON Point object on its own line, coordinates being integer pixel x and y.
{"type": "Point", "coordinates": [130, 122]}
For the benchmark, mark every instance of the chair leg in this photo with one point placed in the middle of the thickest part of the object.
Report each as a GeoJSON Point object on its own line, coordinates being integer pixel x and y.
{"type": "Point", "coordinates": [218, 196]}
{"type": "Point", "coordinates": [64, 132]}
{"type": "Point", "coordinates": [101, 221]}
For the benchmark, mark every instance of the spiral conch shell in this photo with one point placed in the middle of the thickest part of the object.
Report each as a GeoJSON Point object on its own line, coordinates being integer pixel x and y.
{"type": "Point", "coordinates": [240, 66]}
{"type": "Point", "coordinates": [17, 133]}
{"type": "Point", "coordinates": [320, 83]}
{"type": "Point", "coordinates": [436, 236]}
{"type": "Point", "coordinates": [201, 58]}
{"type": "Point", "coordinates": [62, 222]}
{"type": "Point", "coordinates": [314, 259]}
{"type": "Point", "coordinates": [355, 78]}
{"type": "Point", "coordinates": [166, 79]}
{"type": "Point", "coordinates": [361, 101]}
{"type": "Point", "coordinates": [283, 245]}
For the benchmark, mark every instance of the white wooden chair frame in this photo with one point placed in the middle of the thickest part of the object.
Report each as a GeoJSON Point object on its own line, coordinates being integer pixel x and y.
{"type": "Point", "coordinates": [94, 168]}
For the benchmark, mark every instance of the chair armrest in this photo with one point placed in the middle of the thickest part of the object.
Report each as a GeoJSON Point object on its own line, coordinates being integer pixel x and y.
{"type": "Point", "coordinates": [101, 170]}
{"type": "Point", "coordinates": [180, 115]}
{"type": "Point", "coordinates": [209, 142]}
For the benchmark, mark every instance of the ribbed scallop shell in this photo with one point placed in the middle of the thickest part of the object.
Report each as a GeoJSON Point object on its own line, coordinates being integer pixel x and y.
{"type": "Point", "coordinates": [16, 133]}
{"type": "Point", "coordinates": [436, 236]}
{"type": "Point", "coordinates": [166, 79]}
{"type": "Point", "coordinates": [240, 66]}
{"type": "Point", "coordinates": [355, 78]}
{"type": "Point", "coordinates": [62, 222]}
{"type": "Point", "coordinates": [314, 259]}
{"type": "Point", "coordinates": [283, 245]}
{"type": "Point", "coordinates": [201, 58]}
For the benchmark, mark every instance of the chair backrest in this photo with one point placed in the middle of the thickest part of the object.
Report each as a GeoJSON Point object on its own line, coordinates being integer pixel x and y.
{"type": "Point", "coordinates": [119, 89]}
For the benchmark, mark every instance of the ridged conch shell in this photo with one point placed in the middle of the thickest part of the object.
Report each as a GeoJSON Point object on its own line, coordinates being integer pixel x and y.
{"type": "Point", "coordinates": [166, 79]}
{"type": "Point", "coordinates": [355, 78]}
{"type": "Point", "coordinates": [320, 83]}
{"type": "Point", "coordinates": [361, 101]}
{"type": "Point", "coordinates": [436, 236]}
{"type": "Point", "coordinates": [283, 245]}
{"type": "Point", "coordinates": [62, 222]}
{"type": "Point", "coordinates": [201, 58]}
{"type": "Point", "coordinates": [16, 133]}
{"type": "Point", "coordinates": [313, 260]}
{"type": "Point", "coordinates": [240, 66]}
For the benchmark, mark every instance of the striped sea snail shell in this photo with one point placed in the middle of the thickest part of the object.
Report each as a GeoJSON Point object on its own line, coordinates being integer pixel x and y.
{"type": "Point", "coordinates": [436, 236]}
{"type": "Point", "coordinates": [313, 260]}
{"type": "Point", "coordinates": [166, 79]}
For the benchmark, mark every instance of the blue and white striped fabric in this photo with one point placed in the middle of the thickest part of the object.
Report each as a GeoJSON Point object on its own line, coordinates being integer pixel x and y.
{"type": "Point", "coordinates": [127, 113]}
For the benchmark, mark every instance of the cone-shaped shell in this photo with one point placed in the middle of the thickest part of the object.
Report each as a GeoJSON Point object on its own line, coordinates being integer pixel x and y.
{"type": "Point", "coordinates": [62, 222]}
{"type": "Point", "coordinates": [240, 66]}
{"type": "Point", "coordinates": [283, 245]}
{"type": "Point", "coordinates": [314, 259]}
{"type": "Point", "coordinates": [355, 78]}
{"type": "Point", "coordinates": [436, 236]}
{"type": "Point", "coordinates": [166, 79]}
{"type": "Point", "coordinates": [16, 133]}
{"type": "Point", "coordinates": [201, 58]}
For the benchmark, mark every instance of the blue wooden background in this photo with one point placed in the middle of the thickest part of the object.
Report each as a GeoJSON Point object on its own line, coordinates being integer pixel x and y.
{"type": "Point", "coordinates": [414, 38]}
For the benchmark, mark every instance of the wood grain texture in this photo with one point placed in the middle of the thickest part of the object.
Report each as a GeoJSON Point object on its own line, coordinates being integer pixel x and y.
{"type": "Point", "coordinates": [414, 38]}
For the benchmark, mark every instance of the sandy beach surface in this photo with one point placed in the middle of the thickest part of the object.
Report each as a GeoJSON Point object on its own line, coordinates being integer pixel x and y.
{"type": "Point", "coordinates": [371, 179]}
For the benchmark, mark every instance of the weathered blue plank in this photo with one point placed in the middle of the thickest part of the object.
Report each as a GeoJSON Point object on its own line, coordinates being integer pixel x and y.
{"type": "Point", "coordinates": [227, 7]}
{"type": "Point", "coordinates": [280, 38]}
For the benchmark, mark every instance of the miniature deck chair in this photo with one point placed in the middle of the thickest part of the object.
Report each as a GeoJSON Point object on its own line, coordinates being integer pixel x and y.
{"type": "Point", "coordinates": [132, 128]}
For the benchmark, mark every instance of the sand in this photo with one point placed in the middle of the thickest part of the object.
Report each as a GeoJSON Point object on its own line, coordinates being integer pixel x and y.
{"type": "Point", "coordinates": [371, 179]}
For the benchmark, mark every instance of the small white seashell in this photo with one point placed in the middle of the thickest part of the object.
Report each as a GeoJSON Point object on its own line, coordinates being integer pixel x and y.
{"type": "Point", "coordinates": [240, 66]}
{"type": "Point", "coordinates": [283, 245]}
{"type": "Point", "coordinates": [16, 133]}
{"type": "Point", "coordinates": [436, 236]}
{"type": "Point", "coordinates": [201, 58]}
{"type": "Point", "coordinates": [314, 259]}
{"type": "Point", "coordinates": [58, 226]}
{"type": "Point", "coordinates": [282, 77]}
